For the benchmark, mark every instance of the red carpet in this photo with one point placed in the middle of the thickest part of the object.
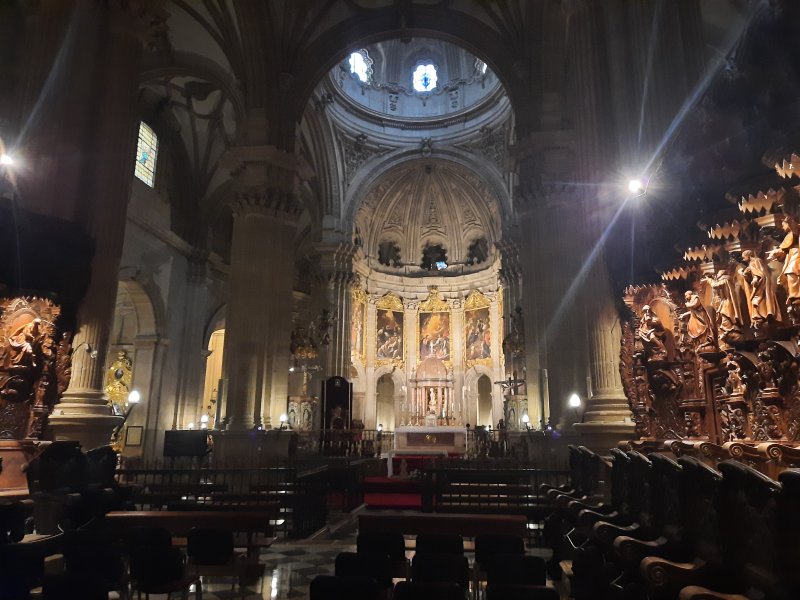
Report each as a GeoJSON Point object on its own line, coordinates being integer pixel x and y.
{"type": "Point", "coordinates": [392, 492]}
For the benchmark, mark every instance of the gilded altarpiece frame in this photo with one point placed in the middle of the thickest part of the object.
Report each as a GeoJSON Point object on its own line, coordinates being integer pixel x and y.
{"type": "Point", "coordinates": [358, 326]}
{"type": "Point", "coordinates": [389, 331]}
{"type": "Point", "coordinates": [434, 329]}
{"type": "Point", "coordinates": [477, 330]}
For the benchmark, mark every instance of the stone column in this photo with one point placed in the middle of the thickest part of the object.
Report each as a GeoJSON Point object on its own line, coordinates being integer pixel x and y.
{"type": "Point", "coordinates": [606, 414]}
{"type": "Point", "coordinates": [261, 280]}
{"type": "Point", "coordinates": [113, 33]}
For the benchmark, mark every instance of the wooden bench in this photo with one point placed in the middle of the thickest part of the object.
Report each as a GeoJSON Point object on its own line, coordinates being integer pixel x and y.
{"type": "Point", "coordinates": [468, 525]}
{"type": "Point", "coordinates": [255, 525]}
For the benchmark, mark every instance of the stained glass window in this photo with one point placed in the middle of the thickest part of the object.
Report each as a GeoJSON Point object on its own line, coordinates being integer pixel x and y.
{"type": "Point", "coordinates": [360, 65]}
{"type": "Point", "coordinates": [424, 78]}
{"type": "Point", "coordinates": [146, 154]}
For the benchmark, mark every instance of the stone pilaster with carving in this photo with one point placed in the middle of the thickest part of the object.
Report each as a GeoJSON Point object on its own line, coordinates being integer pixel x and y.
{"type": "Point", "coordinates": [334, 281]}
{"type": "Point", "coordinates": [192, 361]}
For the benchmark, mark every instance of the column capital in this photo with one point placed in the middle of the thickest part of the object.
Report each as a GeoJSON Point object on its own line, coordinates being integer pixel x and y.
{"type": "Point", "coordinates": [336, 263]}
{"type": "Point", "coordinates": [264, 181]}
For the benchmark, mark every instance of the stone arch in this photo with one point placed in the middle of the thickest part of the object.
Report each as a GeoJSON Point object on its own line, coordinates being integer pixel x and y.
{"type": "Point", "coordinates": [471, 377]}
{"type": "Point", "coordinates": [146, 300]}
{"type": "Point", "coordinates": [147, 355]}
{"type": "Point", "coordinates": [216, 321]}
{"type": "Point", "coordinates": [400, 391]}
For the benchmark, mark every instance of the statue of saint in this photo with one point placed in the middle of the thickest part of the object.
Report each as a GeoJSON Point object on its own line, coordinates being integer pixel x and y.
{"type": "Point", "coordinates": [652, 333]}
{"type": "Point", "coordinates": [734, 383]}
{"type": "Point", "coordinates": [789, 277]}
{"type": "Point", "coordinates": [698, 323]}
{"type": "Point", "coordinates": [759, 289]}
{"type": "Point", "coordinates": [728, 315]}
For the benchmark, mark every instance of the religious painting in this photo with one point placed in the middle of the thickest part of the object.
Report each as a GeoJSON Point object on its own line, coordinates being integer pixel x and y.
{"type": "Point", "coordinates": [434, 335]}
{"type": "Point", "coordinates": [389, 338]}
{"type": "Point", "coordinates": [357, 325]}
{"type": "Point", "coordinates": [477, 329]}
{"type": "Point", "coordinates": [389, 331]}
{"type": "Point", "coordinates": [477, 334]}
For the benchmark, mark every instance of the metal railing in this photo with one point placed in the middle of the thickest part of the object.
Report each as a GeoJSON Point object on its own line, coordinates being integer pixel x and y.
{"type": "Point", "coordinates": [297, 496]}
{"type": "Point", "coordinates": [352, 443]}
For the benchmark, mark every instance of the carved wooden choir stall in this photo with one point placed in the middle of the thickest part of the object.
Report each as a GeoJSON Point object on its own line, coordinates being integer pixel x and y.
{"type": "Point", "coordinates": [712, 353]}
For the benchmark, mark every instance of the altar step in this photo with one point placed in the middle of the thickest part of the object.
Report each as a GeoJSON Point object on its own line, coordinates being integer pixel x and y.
{"type": "Point", "coordinates": [392, 493]}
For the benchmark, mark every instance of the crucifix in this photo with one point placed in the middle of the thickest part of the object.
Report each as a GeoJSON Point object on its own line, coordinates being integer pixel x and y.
{"type": "Point", "coordinates": [511, 385]}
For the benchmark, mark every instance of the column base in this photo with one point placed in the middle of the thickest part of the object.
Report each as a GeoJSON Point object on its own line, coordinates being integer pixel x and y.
{"type": "Point", "coordinates": [606, 422]}
{"type": "Point", "coordinates": [602, 437]}
{"type": "Point", "coordinates": [84, 416]}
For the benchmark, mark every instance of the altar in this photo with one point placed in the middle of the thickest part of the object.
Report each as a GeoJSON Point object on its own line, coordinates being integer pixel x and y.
{"type": "Point", "coordinates": [452, 440]}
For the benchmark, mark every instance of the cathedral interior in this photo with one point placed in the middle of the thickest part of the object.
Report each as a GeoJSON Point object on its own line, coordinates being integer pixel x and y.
{"type": "Point", "coordinates": [318, 271]}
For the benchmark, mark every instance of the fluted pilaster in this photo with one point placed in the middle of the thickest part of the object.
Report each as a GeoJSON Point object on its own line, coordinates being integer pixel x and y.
{"type": "Point", "coordinates": [115, 33]}
{"type": "Point", "coordinates": [335, 279]}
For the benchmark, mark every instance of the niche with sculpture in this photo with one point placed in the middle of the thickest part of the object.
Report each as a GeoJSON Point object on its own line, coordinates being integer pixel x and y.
{"type": "Point", "coordinates": [34, 364]}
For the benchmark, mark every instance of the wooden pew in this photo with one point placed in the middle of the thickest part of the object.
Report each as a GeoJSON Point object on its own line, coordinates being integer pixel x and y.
{"type": "Point", "coordinates": [255, 525]}
{"type": "Point", "coordinates": [468, 525]}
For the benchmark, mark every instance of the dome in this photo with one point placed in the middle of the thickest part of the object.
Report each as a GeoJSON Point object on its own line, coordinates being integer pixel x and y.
{"type": "Point", "coordinates": [421, 79]}
{"type": "Point", "coordinates": [425, 204]}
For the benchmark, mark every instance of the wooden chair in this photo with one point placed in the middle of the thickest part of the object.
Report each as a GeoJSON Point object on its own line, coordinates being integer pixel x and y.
{"type": "Point", "coordinates": [439, 544]}
{"type": "Point", "coordinates": [700, 500]}
{"type": "Point", "coordinates": [330, 587]}
{"type": "Point", "coordinates": [414, 590]}
{"type": "Point", "coordinates": [73, 587]}
{"type": "Point", "coordinates": [749, 524]}
{"type": "Point", "coordinates": [431, 568]}
{"type": "Point", "coordinates": [158, 570]}
{"type": "Point", "coordinates": [521, 592]}
{"type": "Point", "coordinates": [391, 544]}
{"type": "Point", "coordinates": [376, 566]}
{"type": "Point", "coordinates": [210, 553]}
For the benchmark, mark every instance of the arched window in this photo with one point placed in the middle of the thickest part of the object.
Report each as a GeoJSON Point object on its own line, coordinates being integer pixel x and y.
{"type": "Point", "coordinates": [360, 65]}
{"type": "Point", "coordinates": [424, 78]}
{"type": "Point", "coordinates": [146, 154]}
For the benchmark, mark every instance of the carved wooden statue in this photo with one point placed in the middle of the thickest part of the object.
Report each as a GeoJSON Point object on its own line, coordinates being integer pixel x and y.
{"type": "Point", "coordinates": [789, 277]}
{"type": "Point", "coordinates": [698, 323]}
{"type": "Point", "coordinates": [728, 315]}
{"type": "Point", "coordinates": [652, 334]}
{"type": "Point", "coordinates": [33, 370]}
{"type": "Point", "coordinates": [760, 290]}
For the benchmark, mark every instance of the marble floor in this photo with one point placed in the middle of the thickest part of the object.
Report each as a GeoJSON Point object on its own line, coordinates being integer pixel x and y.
{"type": "Point", "coordinates": [290, 567]}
